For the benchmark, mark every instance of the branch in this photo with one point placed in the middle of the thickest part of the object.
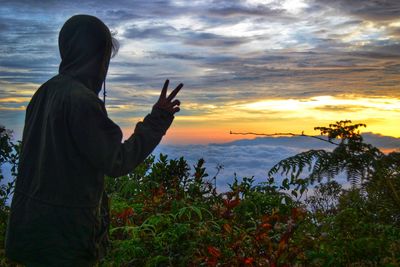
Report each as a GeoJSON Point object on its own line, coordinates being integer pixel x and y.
{"type": "Point", "coordinates": [287, 134]}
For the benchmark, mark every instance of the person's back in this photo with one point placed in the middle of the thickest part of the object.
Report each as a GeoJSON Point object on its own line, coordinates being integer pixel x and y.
{"type": "Point", "coordinates": [52, 167]}
{"type": "Point", "coordinates": [68, 145]}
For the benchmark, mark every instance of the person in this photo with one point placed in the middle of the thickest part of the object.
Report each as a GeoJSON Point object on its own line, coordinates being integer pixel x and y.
{"type": "Point", "coordinates": [58, 213]}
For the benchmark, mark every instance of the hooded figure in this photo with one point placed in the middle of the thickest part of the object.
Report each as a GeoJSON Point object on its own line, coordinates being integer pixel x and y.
{"type": "Point", "coordinates": [59, 211]}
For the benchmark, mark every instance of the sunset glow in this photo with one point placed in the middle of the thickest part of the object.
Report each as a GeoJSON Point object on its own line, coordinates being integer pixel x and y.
{"type": "Point", "coordinates": [248, 66]}
{"type": "Point", "coordinates": [287, 115]}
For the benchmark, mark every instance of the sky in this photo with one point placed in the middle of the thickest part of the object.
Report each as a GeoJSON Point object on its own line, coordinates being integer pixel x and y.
{"type": "Point", "coordinates": [251, 65]}
{"type": "Point", "coordinates": [248, 66]}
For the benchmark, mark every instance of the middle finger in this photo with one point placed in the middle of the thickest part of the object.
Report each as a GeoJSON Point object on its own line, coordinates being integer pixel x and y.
{"type": "Point", "coordinates": [175, 92]}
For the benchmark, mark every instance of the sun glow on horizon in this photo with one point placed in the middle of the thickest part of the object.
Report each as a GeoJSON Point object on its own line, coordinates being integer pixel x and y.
{"type": "Point", "coordinates": [381, 114]}
{"type": "Point", "coordinates": [250, 65]}
{"type": "Point", "coordinates": [326, 102]}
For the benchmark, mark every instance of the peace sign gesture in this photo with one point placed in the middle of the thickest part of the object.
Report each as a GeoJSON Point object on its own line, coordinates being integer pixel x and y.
{"type": "Point", "coordinates": [167, 103]}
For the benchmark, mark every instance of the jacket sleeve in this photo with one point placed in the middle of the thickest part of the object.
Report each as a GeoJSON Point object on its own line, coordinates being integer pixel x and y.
{"type": "Point", "coordinates": [98, 138]}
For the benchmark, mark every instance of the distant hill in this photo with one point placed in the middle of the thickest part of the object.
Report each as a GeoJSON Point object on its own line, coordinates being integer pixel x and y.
{"type": "Point", "coordinates": [378, 140]}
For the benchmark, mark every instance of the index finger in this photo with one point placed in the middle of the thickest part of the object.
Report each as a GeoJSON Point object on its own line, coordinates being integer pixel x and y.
{"type": "Point", "coordinates": [175, 92]}
{"type": "Point", "coordinates": [164, 90]}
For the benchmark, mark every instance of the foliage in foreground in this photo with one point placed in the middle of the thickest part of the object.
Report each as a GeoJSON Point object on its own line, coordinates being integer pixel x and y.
{"type": "Point", "coordinates": [9, 155]}
{"type": "Point", "coordinates": [165, 214]}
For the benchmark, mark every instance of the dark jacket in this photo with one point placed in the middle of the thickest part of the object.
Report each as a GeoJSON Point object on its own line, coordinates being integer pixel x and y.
{"type": "Point", "coordinates": [68, 145]}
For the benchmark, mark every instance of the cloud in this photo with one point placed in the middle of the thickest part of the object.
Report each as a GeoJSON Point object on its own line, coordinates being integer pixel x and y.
{"type": "Point", "coordinates": [381, 141]}
{"type": "Point", "coordinates": [245, 161]}
{"type": "Point", "coordinates": [188, 37]}
{"type": "Point", "coordinates": [366, 9]}
{"type": "Point", "coordinates": [224, 51]}
{"type": "Point", "coordinates": [254, 157]}
{"type": "Point", "coordinates": [138, 22]}
{"type": "Point", "coordinates": [332, 108]}
{"type": "Point", "coordinates": [210, 39]}
{"type": "Point", "coordinates": [178, 56]}
{"type": "Point", "coordinates": [159, 32]}
{"type": "Point", "coordinates": [237, 10]}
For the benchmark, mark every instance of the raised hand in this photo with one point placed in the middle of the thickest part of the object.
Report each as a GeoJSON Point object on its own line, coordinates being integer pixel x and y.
{"type": "Point", "coordinates": [168, 103]}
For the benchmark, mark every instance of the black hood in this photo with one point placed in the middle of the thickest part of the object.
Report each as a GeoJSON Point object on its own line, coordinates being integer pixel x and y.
{"type": "Point", "coordinates": [85, 45]}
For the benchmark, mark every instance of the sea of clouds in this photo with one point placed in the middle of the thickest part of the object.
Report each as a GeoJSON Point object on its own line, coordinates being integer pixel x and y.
{"type": "Point", "coordinates": [255, 157]}
{"type": "Point", "coordinates": [250, 157]}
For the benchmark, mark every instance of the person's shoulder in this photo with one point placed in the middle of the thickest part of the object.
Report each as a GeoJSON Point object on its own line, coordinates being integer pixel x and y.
{"type": "Point", "coordinates": [65, 84]}
{"type": "Point", "coordinates": [76, 90]}
{"type": "Point", "coordinates": [49, 87]}
{"type": "Point", "coordinates": [80, 97]}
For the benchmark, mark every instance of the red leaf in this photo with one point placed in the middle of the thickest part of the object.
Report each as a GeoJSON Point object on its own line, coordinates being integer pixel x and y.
{"type": "Point", "coordinates": [230, 204]}
{"type": "Point", "coordinates": [215, 252]}
{"type": "Point", "coordinates": [248, 261]}
{"type": "Point", "coordinates": [125, 214]}
{"type": "Point", "coordinates": [227, 228]}
{"type": "Point", "coordinates": [266, 226]}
